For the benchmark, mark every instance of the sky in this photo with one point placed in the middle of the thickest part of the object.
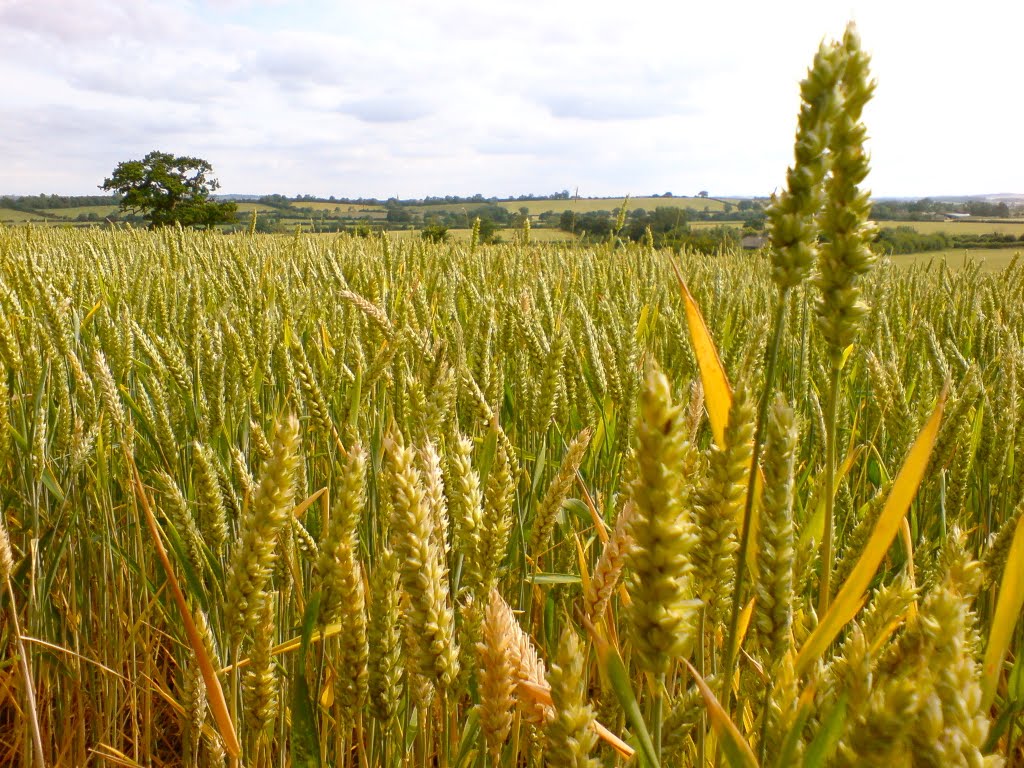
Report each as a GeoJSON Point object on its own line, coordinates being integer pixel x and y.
{"type": "Point", "coordinates": [403, 98]}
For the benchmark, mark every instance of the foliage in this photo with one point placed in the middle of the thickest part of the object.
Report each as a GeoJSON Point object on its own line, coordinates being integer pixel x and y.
{"type": "Point", "coordinates": [276, 201]}
{"type": "Point", "coordinates": [487, 230]}
{"type": "Point", "coordinates": [435, 233]}
{"type": "Point", "coordinates": [170, 190]}
{"type": "Point", "coordinates": [927, 209]}
{"type": "Point", "coordinates": [37, 202]}
{"type": "Point", "coordinates": [906, 239]}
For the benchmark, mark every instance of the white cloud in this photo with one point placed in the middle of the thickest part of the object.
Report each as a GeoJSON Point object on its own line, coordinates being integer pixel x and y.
{"type": "Point", "coordinates": [450, 96]}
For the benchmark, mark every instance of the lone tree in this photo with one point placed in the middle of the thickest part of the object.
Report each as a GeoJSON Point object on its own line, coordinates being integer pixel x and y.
{"type": "Point", "coordinates": [170, 190]}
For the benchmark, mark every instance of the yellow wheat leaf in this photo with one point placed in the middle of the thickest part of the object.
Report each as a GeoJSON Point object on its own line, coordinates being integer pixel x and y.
{"type": "Point", "coordinates": [744, 621]}
{"type": "Point", "coordinates": [853, 592]}
{"type": "Point", "coordinates": [327, 692]}
{"type": "Point", "coordinates": [214, 692]}
{"type": "Point", "coordinates": [737, 751]}
{"type": "Point", "coordinates": [641, 325]}
{"type": "Point", "coordinates": [300, 510]}
{"type": "Point", "coordinates": [908, 545]}
{"type": "Point", "coordinates": [718, 401]}
{"type": "Point", "coordinates": [541, 694]}
{"type": "Point", "coordinates": [584, 571]}
{"type": "Point", "coordinates": [1008, 608]}
{"type": "Point", "coordinates": [846, 356]}
{"type": "Point", "coordinates": [93, 311]}
{"type": "Point", "coordinates": [717, 392]}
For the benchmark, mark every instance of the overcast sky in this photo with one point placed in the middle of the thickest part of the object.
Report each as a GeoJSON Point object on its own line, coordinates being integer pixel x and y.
{"type": "Point", "coordinates": [408, 98]}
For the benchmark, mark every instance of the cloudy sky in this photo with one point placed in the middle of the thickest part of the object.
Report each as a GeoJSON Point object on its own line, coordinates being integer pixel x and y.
{"type": "Point", "coordinates": [408, 98]}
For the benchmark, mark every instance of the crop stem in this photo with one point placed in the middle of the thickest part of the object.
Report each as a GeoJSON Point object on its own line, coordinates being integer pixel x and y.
{"type": "Point", "coordinates": [771, 362]}
{"type": "Point", "coordinates": [26, 673]}
{"type": "Point", "coordinates": [825, 593]}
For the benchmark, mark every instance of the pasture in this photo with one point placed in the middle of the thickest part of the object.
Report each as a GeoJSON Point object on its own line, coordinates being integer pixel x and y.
{"type": "Point", "coordinates": [990, 260]}
{"type": "Point", "coordinates": [11, 216]}
{"type": "Point", "coordinates": [101, 211]}
{"type": "Point", "coordinates": [585, 204]}
{"type": "Point", "coordinates": [507, 235]}
{"type": "Point", "coordinates": [963, 226]}
{"type": "Point", "coordinates": [354, 210]}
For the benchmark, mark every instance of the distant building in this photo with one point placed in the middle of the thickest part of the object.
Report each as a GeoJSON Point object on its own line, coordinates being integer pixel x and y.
{"type": "Point", "coordinates": [953, 216]}
{"type": "Point", "coordinates": [753, 242]}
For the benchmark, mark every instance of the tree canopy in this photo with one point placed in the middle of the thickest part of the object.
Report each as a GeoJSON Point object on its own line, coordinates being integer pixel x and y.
{"type": "Point", "coordinates": [170, 190]}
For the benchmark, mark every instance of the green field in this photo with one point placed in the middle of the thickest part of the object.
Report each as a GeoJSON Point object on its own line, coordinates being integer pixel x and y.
{"type": "Point", "coordinates": [585, 205]}
{"type": "Point", "coordinates": [1003, 226]}
{"type": "Point", "coordinates": [10, 216]}
{"type": "Point", "coordinates": [245, 207]}
{"type": "Point", "coordinates": [714, 224]}
{"type": "Point", "coordinates": [991, 259]}
{"type": "Point", "coordinates": [300, 215]}
{"type": "Point", "coordinates": [508, 235]}
{"type": "Point", "coordinates": [341, 209]}
{"type": "Point", "coordinates": [70, 213]}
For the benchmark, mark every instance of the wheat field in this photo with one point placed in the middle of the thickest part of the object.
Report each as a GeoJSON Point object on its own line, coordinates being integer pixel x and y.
{"type": "Point", "coordinates": [329, 500]}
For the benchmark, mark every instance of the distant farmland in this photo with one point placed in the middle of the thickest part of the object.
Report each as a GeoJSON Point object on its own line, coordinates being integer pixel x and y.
{"type": "Point", "coordinates": [703, 213]}
{"type": "Point", "coordinates": [591, 204]}
{"type": "Point", "coordinates": [963, 226]}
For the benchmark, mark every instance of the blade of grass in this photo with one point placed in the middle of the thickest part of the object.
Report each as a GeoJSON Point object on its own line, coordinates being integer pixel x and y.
{"type": "Point", "coordinates": [718, 401]}
{"type": "Point", "coordinates": [470, 733]}
{"type": "Point", "coordinates": [582, 559]}
{"type": "Point", "coordinates": [112, 756]}
{"type": "Point", "coordinates": [1008, 608]}
{"type": "Point", "coordinates": [305, 742]}
{"type": "Point", "coordinates": [617, 676]}
{"type": "Point", "coordinates": [214, 692]}
{"type": "Point", "coordinates": [734, 746]}
{"type": "Point", "coordinates": [815, 527]}
{"type": "Point", "coordinates": [308, 502]}
{"type": "Point", "coordinates": [744, 623]}
{"type": "Point", "coordinates": [26, 675]}
{"type": "Point", "coordinates": [853, 592]}
{"type": "Point", "coordinates": [824, 742]}
{"type": "Point", "coordinates": [804, 706]}
{"type": "Point", "coordinates": [908, 545]}
{"type": "Point", "coordinates": [717, 391]}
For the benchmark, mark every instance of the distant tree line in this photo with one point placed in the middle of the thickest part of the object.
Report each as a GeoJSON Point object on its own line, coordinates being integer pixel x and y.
{"type": "Point", "coordinates": [33, 203]}
{"type": "Point", "coordinates": [897, 240]}
{"type": "Point", "coordinates": [668, 227]}
{"type": "Point", "coordinates": [282, 201]}
{"type": "Point", "coordinates": [926, 209]}
{"type": "Point", "coordinates": [478, 198]}
{"type": "Point", "coordinates": [492, 217]}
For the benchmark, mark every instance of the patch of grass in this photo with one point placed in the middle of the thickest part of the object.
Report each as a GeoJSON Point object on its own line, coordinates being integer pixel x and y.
{"type": "Point", "coordinates": [11, 216]}
{"type": "Point", "coordinates": [992, 260]}
{"type": "Point", "coordinates": [507, 235]}
{"type": "Point", "coordinates": [1004, 226]}
{"type": "Point", "coordinates": [586, 205]}
{"type": "Point", "coordinates": [70, 213]}
{"type": "Point", "coordinates": [346, 210]}
{"type": "Point", "coordinates": [247, 207]}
